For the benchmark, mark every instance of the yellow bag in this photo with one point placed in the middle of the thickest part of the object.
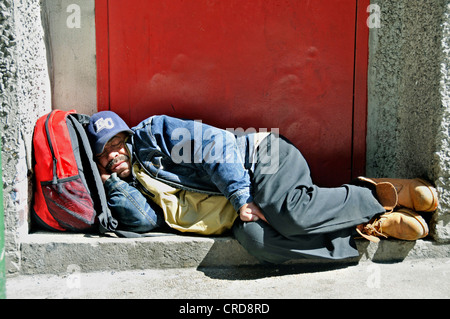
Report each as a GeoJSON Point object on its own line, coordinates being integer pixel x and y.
{"type": "Point", "coordinates": [189, 211]}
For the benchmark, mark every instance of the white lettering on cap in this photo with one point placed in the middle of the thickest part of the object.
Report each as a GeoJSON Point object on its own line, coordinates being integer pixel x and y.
{"type": "Point", "coordinates": [102, 123]}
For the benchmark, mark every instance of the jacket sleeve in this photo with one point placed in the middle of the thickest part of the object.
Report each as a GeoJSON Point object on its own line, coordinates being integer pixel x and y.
{"type": "Point", "coordinates": [207, 148]}
{"type": "Point", "coordinates": [130, 207]}
{"type": "Point", "coordinates": [227, 170]}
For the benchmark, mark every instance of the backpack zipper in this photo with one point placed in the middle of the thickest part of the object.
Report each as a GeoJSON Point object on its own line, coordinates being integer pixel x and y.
{"type": "Point", "coordinates": [55, 160]}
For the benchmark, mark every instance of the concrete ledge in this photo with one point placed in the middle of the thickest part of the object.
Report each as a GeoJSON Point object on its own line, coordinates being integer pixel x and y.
{"type": "Point", "coordinates": [54, 253]}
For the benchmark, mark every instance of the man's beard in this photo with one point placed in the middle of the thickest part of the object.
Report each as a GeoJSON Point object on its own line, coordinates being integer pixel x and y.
{"type": "Point", "coordinates": [118, 159]}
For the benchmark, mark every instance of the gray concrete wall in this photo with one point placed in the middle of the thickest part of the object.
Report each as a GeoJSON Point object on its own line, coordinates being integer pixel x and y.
{"type": "Point", "coordinates": [47, 59]}
{"type": "Point", "coordinates": [24, 96]}
{"type": "Point", "coordinates": [70, 29]}
{"type": "Point", "coordinates": [408, 106]}
{"type": "Point", "coordinates": [442, 156]}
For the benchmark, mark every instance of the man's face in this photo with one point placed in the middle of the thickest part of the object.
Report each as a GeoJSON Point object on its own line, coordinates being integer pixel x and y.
{"type": "Point", "coordinates": [115, 157]}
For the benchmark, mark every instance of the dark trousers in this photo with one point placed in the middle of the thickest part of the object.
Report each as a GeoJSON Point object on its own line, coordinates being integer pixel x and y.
{"type": "Point", "coordinates": [304, 221]}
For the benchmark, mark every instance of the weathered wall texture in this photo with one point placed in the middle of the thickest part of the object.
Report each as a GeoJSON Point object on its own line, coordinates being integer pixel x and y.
{"type": "Point", "coordinates": [24, 96]}
{"type": "Point", "coordinates": [70, 29]}
{"type": "Point", "coordinates": [408, 109]}
{"type": "Point", "coordinates": [442, 156]}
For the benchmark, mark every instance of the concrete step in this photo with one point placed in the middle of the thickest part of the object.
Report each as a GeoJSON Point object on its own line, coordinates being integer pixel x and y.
{"type": "Point", "coordinates": [56, 253]}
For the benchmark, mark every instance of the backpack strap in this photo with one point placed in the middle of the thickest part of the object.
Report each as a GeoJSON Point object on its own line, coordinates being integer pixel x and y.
{"type": "Point", "coordinates": [83, 119]}
{"type": "Point", "coordinates": [106, 220]}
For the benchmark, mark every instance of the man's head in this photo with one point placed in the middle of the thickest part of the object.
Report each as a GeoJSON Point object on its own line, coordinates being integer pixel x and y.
{"type": "Point", "coordinates": [107, 134]}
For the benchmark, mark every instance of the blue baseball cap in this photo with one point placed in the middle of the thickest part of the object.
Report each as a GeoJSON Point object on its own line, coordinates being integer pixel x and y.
{"type": "Point", "coordinates": [102, 127]}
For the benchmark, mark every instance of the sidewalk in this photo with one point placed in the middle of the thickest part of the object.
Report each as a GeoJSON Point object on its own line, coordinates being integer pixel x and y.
{"type": "Point", "coordinates": [55, 253]}
{"type": "Point", "coordinates": [56, 265]}
{"type": "Point", "coordinates": [420, 278]}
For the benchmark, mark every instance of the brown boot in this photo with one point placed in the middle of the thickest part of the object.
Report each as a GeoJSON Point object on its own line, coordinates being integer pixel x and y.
{"type": "Point", "coordinates": [385, 192]}
{"type": "Point", "coordinates": [402, 224]}
{"type": "Point", "coordinates": [416, 194]}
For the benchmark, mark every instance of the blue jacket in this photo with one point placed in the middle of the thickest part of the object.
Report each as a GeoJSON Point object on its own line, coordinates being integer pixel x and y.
{"type": "Point", "coordinates": [185, 154]}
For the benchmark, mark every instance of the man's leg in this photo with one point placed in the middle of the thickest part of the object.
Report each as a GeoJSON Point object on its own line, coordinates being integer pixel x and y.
{"type": "Point", "coordinates": [269, 246]}
{"type": "Point", "coordinates": [294, 206]}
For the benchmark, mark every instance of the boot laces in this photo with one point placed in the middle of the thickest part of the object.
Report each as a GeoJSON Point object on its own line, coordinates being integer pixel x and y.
{"type": "Point", "coordinates": [374, 228]}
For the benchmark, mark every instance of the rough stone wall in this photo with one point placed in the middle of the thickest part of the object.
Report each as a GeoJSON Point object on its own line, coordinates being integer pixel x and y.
{"type": "Point", "coordinates": [24, 96]}
{"type": "Point", "coordinates": [408, 92]}
{"type": "Point", "coordinates": [71, 48]}
{"type": "Point", "coordinates": [441, 220]}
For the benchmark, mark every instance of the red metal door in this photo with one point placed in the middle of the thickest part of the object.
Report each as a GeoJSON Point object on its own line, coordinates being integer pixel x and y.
{"type": "Point", "coordinates": [294, 65]}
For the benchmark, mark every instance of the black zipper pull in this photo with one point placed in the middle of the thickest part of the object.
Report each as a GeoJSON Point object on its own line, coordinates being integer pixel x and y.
{"type": "Point", "coordinates": [55, 177]}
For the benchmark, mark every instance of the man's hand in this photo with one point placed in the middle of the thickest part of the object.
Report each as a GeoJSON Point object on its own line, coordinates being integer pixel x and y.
{"type": "Point", "coordinates": [251, 213]}
{"type": "Point", "coordinates": [104, 174]}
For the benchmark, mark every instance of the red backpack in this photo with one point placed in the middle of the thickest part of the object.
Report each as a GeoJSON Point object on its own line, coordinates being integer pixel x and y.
{"type": "Point", "coordinates": [69, 194]}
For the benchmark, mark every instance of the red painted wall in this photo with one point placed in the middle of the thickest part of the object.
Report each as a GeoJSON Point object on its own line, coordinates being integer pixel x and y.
{"type": "Point", "coordinates": [296, 65]}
